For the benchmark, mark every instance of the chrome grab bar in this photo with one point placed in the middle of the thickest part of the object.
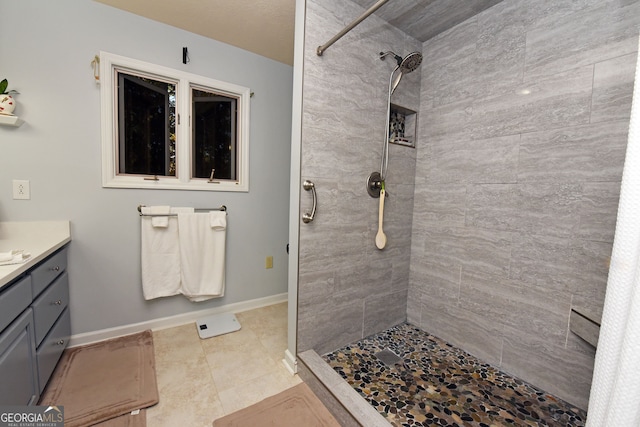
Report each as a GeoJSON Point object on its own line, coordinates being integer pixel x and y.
{"type": "Point", "coordinates": [309, 186]}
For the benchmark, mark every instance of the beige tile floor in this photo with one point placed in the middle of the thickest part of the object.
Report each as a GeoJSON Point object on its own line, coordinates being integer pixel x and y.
{"type": "Point", "coordinates": [201, 380]}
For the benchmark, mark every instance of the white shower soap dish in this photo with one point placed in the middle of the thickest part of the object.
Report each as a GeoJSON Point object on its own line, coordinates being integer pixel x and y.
{"type": "Point", "coordinates": [218, 324]}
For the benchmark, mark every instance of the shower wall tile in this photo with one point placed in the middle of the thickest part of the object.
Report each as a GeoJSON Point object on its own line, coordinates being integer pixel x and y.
{"type": "Point", "coordinates": [448, 69]}
{"type": "Point", "coordinates": [316, 289]}
{"type": "Point", "coordinates": [398, 203]}
{"type": "Point", "coordinates": [442, 205]}
{"type": "Point", "coordinates": [355, 282]}
{"type": "Point", "coordinates": [325, 152]}
{"type": "Point", "coordinates": [528, 309]}
{"type": "Point", "coordinates": [594, 258]}
{"type": "Point", "coordinates": [478, 335]}
{"type": "Point", "coordinates": [576, 267]}
{"type": "Point", "coordinates": [450, 122]}
{"type": "Point", "coordinates": [546, 262]}
{"type": "Point", "coordinates": [384, 311]}
{"type": "Point", "coordinates": [489, 161]}
{"type": "Point", "coordinates": [574, 154]}
{"type": "Point", "coordinates": [331, 245]}
{"type": "Point", "coordinates": [483, 250]}
{"type": "Point", "coordinates": [402, 164]}
{"type": "Point", "coordinates": [414, 302]}
{"type": "Point", "coordinates": [549, 209]}
{"type": "Point", "coordinates": [437, 280]}
{"type": "Point", "coordinates": [325, 330]}
{"type": "Point", "coordinates": [400, 273]}
{"type": "Point", "coordinates": [598, 210]}
{"type": "Point", "coordinates": [602, 31]}
{"type": "Point", "coordinates": [554, 101]}
{"type": "Point", "coordinates": [557, 370]}
{"type": "Point", "coordinates": [613, 89]}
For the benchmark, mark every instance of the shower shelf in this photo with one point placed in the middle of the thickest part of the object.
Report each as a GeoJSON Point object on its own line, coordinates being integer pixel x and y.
{"type": "Point", "coordinates": [585, 324]}
{"type": "Point", "coordinates": [402, 141]}
{"type": "Point", "coordinates": [402, 126]}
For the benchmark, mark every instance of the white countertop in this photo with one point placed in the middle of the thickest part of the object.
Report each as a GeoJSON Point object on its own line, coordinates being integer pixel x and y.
{"type": "Point", "coordinates": [39, 238]}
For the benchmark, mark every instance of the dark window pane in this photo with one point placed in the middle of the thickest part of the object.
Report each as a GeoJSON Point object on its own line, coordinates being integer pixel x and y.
{"type": "Point", "coordinates": [146, 126]}
{"type": "Point", "coordinates": [214, 135]}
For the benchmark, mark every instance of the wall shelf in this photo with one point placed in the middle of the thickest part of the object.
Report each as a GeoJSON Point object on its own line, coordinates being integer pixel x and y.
{"type": "Point", "coordinates": [10, 120]}
{"type": "Point", "coordinates": [402, 126]}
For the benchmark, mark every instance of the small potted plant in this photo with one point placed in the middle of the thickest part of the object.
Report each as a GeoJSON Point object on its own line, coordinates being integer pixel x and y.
{"type": "Point", "coordinates": [7, 103]}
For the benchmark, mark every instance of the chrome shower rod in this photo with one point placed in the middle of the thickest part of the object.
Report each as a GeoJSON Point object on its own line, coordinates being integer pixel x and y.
{"type": "Point", "coordinates": [349, 27]}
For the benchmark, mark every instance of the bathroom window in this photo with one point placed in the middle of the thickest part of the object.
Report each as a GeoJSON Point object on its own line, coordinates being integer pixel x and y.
{"type": "Point", "coordinates": [167, 129]}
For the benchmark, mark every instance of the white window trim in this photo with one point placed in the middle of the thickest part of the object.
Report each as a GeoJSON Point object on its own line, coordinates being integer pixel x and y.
{"type": "Point", "coordinates": [182, 180]}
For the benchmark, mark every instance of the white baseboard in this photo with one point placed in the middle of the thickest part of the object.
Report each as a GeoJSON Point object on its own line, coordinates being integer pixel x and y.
{"type": "Point", "coordinates": [171, 321]}
{"type": "Point", "coordinates": [290, 362]}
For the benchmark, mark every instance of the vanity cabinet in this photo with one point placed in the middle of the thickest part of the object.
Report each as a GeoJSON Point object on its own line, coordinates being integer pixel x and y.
{"type": "Point", "coordinates": [34, 329]}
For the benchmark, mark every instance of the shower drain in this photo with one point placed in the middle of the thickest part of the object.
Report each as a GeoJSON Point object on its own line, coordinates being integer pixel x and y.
{"type": "Point", "coordinates": [388, 357]}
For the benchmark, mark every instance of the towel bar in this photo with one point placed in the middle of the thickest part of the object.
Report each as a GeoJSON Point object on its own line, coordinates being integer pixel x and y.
{"type": "Point", "coordinates": [221, 208]}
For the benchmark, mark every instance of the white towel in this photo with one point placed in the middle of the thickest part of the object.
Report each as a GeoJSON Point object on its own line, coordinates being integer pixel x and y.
{"type": "Point", "coordinates": [202, 257]}
{"type": "Point", "coordinates": [160, 256]}
{"type": "Point", "coordinates": [14, 257]}
{"type": "Point", "coordinates": [158, 221]}
{"type": "Point", "coordinates": [218, 220]}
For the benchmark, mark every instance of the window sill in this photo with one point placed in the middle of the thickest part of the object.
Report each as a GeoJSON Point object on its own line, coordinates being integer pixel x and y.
{"type": "Point", "coordinates": [175, 184]}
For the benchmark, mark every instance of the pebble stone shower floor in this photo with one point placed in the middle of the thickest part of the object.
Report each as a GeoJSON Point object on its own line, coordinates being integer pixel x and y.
{"type": "Point", "coordinates": [436, 384]}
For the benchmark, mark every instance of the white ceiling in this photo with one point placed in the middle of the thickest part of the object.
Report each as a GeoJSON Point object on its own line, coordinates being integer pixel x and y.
{"type": "Point", "coordinates": [264, 27]}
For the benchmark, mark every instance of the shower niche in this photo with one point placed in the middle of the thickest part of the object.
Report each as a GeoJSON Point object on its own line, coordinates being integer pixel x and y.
{"type": "Point", "coordinates": [402, 126]}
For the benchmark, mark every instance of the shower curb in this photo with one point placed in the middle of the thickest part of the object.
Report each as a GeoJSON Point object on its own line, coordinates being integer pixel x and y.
{"type": "Point", "coordinates": [341, 399]}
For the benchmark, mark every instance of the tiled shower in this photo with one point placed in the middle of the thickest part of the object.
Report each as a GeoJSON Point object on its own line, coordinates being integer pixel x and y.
{"type": "Point", "coordinates": [502, 217]}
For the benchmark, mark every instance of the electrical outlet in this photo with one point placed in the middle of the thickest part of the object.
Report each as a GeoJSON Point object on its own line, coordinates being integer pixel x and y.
{"type": "Point", "coordinates": [269, 262]}
{"type": "Point", "coordinates": [21, 189]}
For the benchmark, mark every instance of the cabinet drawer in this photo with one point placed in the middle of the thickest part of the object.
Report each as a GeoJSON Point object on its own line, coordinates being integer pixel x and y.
{"type": "Point", "coordinates": [52, 347]}
{"type": "Point", "coordinates": [48, 306]}
{"type": "Point", "coordinates": [44, 274]}
{"type": "Point", "coordinates": [13, 300]}
{"type": "Point", "coordinates": [18, 363]}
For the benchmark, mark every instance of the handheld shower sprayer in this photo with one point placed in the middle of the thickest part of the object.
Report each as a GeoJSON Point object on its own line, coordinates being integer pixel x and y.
{"type": "Point", "coordinates": [376, 180]}
{"type": "Point", "coordinates": [406, 65]}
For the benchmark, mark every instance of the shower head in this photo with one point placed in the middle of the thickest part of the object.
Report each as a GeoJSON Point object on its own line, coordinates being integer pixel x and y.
{"type": "Point", "coordinates": [411, 62]}
{"type": "Point", "coordinates": [406, 65]}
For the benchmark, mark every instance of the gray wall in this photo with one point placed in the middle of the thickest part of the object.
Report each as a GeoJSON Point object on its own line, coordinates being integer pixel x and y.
{"type": "Point", "coordinates": [516, 195]}
{"type": "Point", "coordinates": [46, 50]}
{"type": "Point", "coordinates": [347, 288]}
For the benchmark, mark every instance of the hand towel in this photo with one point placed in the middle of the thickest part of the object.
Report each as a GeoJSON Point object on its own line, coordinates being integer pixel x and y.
{"type": "Point", "coordinates": [202, 257]}
{"type": "Point", "coordinates": [160, 256]}
{"type": "Point", "coordinates": [6, 256]}
{"type": "Point", "coordinates": [218, 220]}
{"type": "Point", "coordinates": [158, 221]}
{"type": "Point", "coordinates": [14, 257]}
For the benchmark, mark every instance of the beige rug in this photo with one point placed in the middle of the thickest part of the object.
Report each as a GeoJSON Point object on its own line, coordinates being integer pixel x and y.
{"type": "Point", "coordinates": [295, 407]}
{"type": "Point", "coordinates": [98, 382]}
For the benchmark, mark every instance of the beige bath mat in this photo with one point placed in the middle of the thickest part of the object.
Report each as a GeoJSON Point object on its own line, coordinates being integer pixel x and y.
{"type": "Point", "coordinates": [101, 381]}
{"type": "Point", "coordinates": [295, 407]}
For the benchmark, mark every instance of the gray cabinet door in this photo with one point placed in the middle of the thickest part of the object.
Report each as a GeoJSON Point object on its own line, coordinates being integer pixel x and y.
{"type": "Point", "coordinates": [19, 385]}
